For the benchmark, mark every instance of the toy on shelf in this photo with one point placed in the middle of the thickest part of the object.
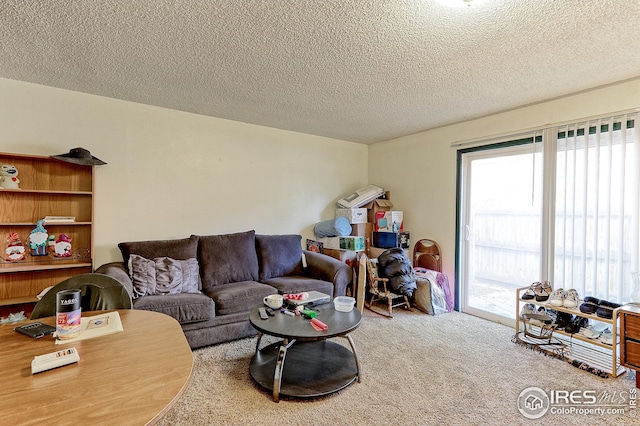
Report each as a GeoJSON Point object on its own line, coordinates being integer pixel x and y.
{"type": "Point", "coordinates": [38, 240]}
{"type": "Point", "coordinates": [9, 177]}
{"type": "Point", "coordinates": [51, 243]}
{"type": "Point", "coordinates": [62, 246]}
{"type": "Point", "coordinates": [15, 250]}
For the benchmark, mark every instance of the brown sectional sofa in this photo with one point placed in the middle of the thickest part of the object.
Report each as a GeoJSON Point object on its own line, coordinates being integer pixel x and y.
{"type": "Point", "coordinates": [236, 271]}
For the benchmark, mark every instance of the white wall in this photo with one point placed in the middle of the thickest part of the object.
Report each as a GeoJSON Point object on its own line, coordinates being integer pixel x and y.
{"type": "Point", "coordinates": [171, 174]}
{"type": "Point", "coordinates": [420, 170]}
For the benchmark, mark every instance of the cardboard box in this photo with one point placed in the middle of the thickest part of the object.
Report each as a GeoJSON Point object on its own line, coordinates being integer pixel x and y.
{"type": "Point", "coordinates": [362, 229]}
{"type": "Point", "coordinates": [352, 243]}
{"type": "Point", "coordinates": [377, 206]}
{"type": "Point", "coordinates": [389, 221]}
{"type": "Point", "coordinates": [349, 257]}
{"type": "Point", "coordinates": [353, 215]}
{"type": "Point", "coordinates": [330, 242]}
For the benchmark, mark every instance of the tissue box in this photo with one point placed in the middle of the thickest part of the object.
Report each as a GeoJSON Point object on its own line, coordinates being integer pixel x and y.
{"type": "Point", "coordinates": [352, 243]}
{"type": "Point", "coordinates": [353, 215]}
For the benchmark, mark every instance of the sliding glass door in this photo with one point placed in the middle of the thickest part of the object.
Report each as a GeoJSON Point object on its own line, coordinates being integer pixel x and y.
{"type": "Point", "coordinates": [500, 225]}
{"type": "Point", "coordinates": [565, 209]}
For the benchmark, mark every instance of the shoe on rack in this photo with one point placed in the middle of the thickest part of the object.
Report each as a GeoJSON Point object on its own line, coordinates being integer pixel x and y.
{"type": "Point", "coordinates": [576, 325]}
{"type": "Point", "coordinates": [562, 319]}
{"type": "Point", "coordinates": [594, 331]}
{"type": "Point", "coordinates": [589, 305]}
{"type": "Point", "coordinates": [543, 291]}
{"type": "Point", "coordinates": [605, 309]}
{"type": "Point", "coordinates": [571, 298]}
{"type": "Point", "coordinates": [541, 318]}
{"type": "Point", "coordinates": [530, 293]}
{"type": "Point", "coordinates": [606, 337]}
{"type": "Point", "coordinates": [557, 297]}
{"type": "Point", "coordinates": [528, 308]}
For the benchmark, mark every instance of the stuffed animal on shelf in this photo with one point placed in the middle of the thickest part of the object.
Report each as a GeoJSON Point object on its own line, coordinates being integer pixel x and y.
{"type": "Point", "coordinates": [62, 246]}
{"type": "Point", "coordinates": [38, 240]}
{"type": "Point", "coordinates": [15, 250]}
{"type": "Point", "coordinates": [9, 177]}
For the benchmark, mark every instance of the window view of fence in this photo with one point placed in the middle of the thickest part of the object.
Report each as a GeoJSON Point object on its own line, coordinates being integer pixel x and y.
{"type": "Point", "coordinates": [504, 228]}
{"type": "Point", "coordinates": [594, 231]}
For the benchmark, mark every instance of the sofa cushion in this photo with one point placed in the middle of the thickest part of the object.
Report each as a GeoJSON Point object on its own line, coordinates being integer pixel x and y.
{"type": "Point", "coordinates": [184, 248]}
{"type": "Point", "coordinates": [279, 255]}
{"type": "Point", "coordinates": [184, 307]}
{"type": "Point", "coordinates": [228, 258]}
{"type": "Point", "coordinates": [163, 275]}
{"type": "Point", "coordinates": [298, 284]}
{"type": "Point", "coordinates": [238, 297]}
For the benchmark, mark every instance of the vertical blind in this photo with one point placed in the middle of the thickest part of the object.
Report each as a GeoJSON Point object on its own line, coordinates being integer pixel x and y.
{"type": "Point", "coordinates": [597, 207]}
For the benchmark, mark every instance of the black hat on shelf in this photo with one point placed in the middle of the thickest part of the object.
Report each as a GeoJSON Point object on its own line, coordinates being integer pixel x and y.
{"type": "Point", "coordinates": [80, 156]}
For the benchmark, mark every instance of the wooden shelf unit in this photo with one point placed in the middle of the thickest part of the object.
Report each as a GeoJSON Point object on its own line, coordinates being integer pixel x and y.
{"type": "Point", "coordinates": [592, 351]}
{"type": "Point", "coordinates": [630, 338]}
{"type": "Point", "coordinates": [48, 187]}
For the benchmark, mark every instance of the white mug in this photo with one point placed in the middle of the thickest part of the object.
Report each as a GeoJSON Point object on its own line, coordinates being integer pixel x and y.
{"type": "Point", "coordinates": [274, 301]}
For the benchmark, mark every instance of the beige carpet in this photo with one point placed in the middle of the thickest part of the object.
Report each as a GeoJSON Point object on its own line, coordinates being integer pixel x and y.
{"type": "Point", "coordinates": [417, 369]}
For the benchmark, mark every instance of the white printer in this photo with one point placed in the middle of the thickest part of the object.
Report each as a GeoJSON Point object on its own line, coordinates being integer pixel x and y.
{"type": "Point", "coordinates": [361, 197]}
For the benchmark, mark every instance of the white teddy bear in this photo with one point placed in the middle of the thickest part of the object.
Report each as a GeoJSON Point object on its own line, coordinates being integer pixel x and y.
{"type": "Point", "coordinates": [9, 177]}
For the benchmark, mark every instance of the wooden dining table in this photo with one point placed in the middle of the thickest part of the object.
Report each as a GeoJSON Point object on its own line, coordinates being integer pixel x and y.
{"type": "Point", "coordinates": [131, 377]}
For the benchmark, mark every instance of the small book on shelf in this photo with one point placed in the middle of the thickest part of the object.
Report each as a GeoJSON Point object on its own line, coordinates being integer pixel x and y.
{"type": "Point", "coordinates": [59, 219]}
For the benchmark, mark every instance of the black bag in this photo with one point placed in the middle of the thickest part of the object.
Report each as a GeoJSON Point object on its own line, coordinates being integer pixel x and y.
{"type": "Point", "coordinates": [396, 266]}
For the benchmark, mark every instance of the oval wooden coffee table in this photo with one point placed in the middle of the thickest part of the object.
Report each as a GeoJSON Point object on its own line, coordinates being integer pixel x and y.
{"type": "Point", "coordinates": [314, 365]}
{"type": "Point", "coordinates": [129, 378]}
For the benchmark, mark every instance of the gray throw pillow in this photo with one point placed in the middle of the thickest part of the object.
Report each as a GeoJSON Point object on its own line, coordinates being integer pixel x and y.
{"type": "Point", "coordinates": [163, 275]}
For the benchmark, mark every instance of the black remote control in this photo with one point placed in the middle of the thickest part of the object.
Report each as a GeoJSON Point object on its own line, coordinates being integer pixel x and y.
{"type": "Point", "coordinates": [263, 313]}
{"type": "Point", "coordinates": [269, 312]}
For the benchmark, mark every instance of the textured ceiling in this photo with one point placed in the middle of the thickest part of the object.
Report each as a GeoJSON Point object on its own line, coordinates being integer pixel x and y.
{"type": "Point", "coordinates": [357, 70]}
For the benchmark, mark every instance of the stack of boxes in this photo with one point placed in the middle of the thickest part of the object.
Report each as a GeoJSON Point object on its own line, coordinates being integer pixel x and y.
{"type": "Point", "coordinates": [375, 227]}
{"type": "Point", "coordinates": [346, 248]}
{"type": "Point", "coordinates": [387, 226]}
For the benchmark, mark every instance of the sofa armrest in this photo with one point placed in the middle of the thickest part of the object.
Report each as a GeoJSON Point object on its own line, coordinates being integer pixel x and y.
{"type": "Point", "coordinates": [329, 269]}
{"type": "Point", "coordinates": [118, 271]}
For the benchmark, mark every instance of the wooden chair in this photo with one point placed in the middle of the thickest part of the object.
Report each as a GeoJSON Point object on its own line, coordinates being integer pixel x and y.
{"type": "Point", "coordinates": [378, 291]}
{"type": "Point", "coordinates": [426, 254]}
